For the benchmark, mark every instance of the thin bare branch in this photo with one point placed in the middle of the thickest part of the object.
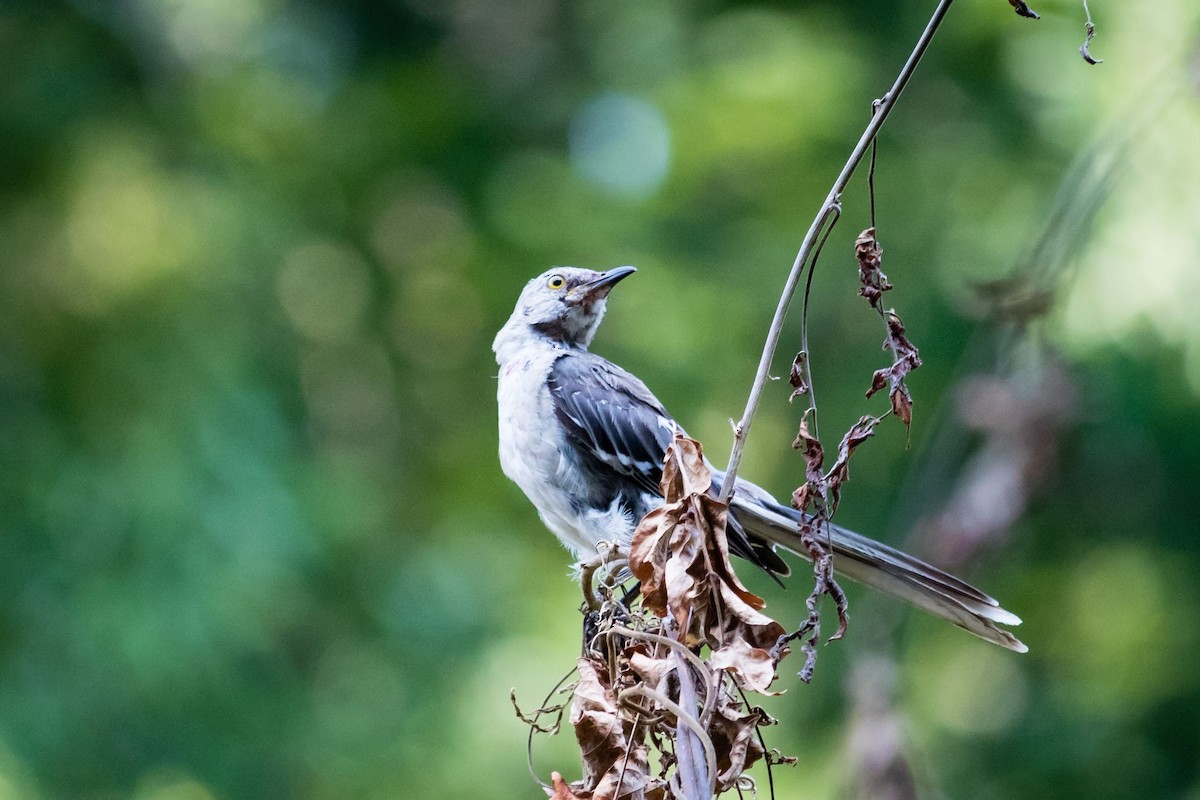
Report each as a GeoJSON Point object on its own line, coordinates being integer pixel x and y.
{"type": "Point", "coordinates": [742, 429]}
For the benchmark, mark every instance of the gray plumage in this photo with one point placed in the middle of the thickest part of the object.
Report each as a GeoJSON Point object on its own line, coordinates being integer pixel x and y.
{"type": "Point", "coordinates": [585, 441]}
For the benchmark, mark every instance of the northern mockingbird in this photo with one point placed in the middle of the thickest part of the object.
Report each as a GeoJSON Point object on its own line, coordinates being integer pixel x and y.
{"type": "Point", "coordinates": [585, 440]}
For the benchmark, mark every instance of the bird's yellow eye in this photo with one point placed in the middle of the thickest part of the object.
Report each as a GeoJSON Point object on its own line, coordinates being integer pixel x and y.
{"type": "Point", "coordinates": [556, 282]}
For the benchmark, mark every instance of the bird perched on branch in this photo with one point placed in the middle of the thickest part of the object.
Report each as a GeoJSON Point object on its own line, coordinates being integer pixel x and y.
{"type": "Point", "coordinates": [585, 440]}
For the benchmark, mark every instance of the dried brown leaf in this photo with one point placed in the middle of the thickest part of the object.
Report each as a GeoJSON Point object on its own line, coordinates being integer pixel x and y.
{"type": "Point", "coordinates": [615, 768]}
{"type": "Point", "coordinates": [839, 473]}
{"type": "Point", "coordinates": [648, 554]}
{"type": "Point", "coordinates": [630, 779]}
{"type": "Point", "coordinates": [1023, 10]}
{"type": "Point", "coordinates": [869, 254]}
{"type": "Point", "coordinates": [905, 359]}
{"type": "Point", "coordinates": [681, 554]}
{"type": "Point", "coordinates": [717, 513]}
{"type": "Point", "coordinates": [648, 669]}
{"type": "Point", "coordinates": [752, 667]}
{"type": "Point", "coordinates": [684, 574]}
{"type": "Point", "coordinates": [743, 621]}
{"type": "Point", "coordinates": [684, 472]}
{"type": "Point", "coordinates": [796, 377]}
{"type": "Point", "coordinates": [561, 790]}
{"type": "Point", "coordinates": [595, 718]}
{"type": "Point", "coordinates": [735, 741]}
{"type": "Point", "coordinates": [814, 463]}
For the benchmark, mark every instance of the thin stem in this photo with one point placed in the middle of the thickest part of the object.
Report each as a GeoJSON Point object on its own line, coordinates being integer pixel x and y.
{"type": "Point", "coordinates": [871, 170]}
{"type": "Point", "coordinates": [835, 215]}
{"type": "Point", "coordinates": [686, 719]}
{"type": "Point", "coordinates": [694, 775]}
{"type": "Point", "coordinates": [742, 429]}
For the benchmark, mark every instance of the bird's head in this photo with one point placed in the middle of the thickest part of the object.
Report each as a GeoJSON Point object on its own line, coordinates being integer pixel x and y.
{"type": "Point", "coordinates": [563, 305]}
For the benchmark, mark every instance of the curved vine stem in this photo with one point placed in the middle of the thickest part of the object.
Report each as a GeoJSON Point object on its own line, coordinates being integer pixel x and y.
{"type": "Point", "coordinates": [828, 208]}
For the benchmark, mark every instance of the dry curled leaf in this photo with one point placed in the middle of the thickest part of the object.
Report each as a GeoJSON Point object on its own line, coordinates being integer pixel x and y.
{"type": "Point", "coordinates": [814, 464]}
{"type": "Point", "coordinates": [615, 768]}
{"type": "Point", "coordinates": [817, 499]}
{"type": "Point", "coordinates": [869, 254]}
{"type": "Point", "coordinates": [735, 741]}
{"type": "Point", "coordinates": [560, 789]}
{"type": "Point", "coordinates": [839, 473]}
{"type": "Point", "coordinates": [796, 377]}
{"type": "Point", "coordinates": [596, 720]}
{"type": "Point", "coordinates": [1023, 10]}
{"type": "Point", "coordinates": [905, 359]}
{"type": "Point", "coordinates": [1084, 49]}
{"type": "Point", "coordinates": [647, 668]}
{"type": "Point", "coordinates": [824, 584]}
{"type": "Point", "coordinates": [681, 555]}
{"type": "Point", "coordinates": [752, 667]}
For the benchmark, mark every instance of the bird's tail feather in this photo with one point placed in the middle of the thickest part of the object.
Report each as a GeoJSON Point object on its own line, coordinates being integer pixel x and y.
{"type": "Point", "coordinates": [884, 568]}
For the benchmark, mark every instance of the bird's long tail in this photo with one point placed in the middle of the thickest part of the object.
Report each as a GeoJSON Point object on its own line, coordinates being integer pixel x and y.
{"type": "Point", "coordinates": [881, 567]}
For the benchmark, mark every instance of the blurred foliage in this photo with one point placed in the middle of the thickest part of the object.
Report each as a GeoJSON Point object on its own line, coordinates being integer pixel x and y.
{"type": "Point", "coordinates": [254, 541]}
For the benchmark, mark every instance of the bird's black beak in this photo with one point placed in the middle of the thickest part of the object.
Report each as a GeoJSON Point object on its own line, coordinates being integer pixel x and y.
{"type": "Point", "coordinates": [601, 286]}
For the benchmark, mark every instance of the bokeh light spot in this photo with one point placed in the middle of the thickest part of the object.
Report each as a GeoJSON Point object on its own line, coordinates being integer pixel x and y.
{"type": "Point", "coordinates": [323, 288]}
{"type": "Point", "coordinates": [621, 144]}
{"type": "Point", "coordinates": [422, 225]}
{"type": "Point", "coordinates": [210, 31]}
{"type": "Point", "coordinates": [128, 224]}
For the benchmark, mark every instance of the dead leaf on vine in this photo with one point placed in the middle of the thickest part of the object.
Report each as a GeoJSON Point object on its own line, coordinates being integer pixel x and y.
{"type": "Point", "coordinates": [1090, 33]}
{"type": "Point", "coordinates": [752, 667]}
{"type": "Point", "coordinates": [869, 254]}
{"type": "Point", "coordinates": [905, 359]}
{"type": "Point", "coordinates": [740, 620]}
{"type": "Point", "coordinates": [647, 668]}
{"type": "Point", "coordinates": [1023, 10]}
{"type": "Point", "coordinates": [839, 473]}
{"type": "Point", "coordinates": [680, 553]}
{"type": "Point", "coordinates": [561, 789]}
{"type": "Point", "coordinates": [735, 741]}
{"type": "Point", "coordinates": [796, 377]}
{"type": "Point", "coordinates": [814, 464]}
{"type": "Point", "coordinates": [614, 769]}
{"type": "Point", "coordinates": [596, 720]}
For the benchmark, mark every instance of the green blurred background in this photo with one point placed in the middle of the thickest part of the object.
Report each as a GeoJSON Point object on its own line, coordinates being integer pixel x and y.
{"type": "Point", "coordinates": [254, 539]}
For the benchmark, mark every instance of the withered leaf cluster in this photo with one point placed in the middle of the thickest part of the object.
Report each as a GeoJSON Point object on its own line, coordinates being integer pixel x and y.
{"type": "Point", "coordinates": [905, 357]}
{"type": "Point", "coordinates": [904, 360]}
{"type": "Point", "coordinates": [680, 553]}
{"type": "Point", "coordinates": [643, 686]}
{"type": "Point", "coordinates": [615, 757]}
{"type": "Point", "coordinates": [870, 255]}
{"type": "Point", "coordinates": [817, 498]}
{"type": "Point", "coordinates": [821, 492]}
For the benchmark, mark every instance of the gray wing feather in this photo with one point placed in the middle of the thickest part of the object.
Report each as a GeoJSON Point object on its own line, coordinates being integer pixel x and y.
{"type": "Point", "coordinates": [612, 417]}
{"type": "Point", "coordinates": [622, 429]}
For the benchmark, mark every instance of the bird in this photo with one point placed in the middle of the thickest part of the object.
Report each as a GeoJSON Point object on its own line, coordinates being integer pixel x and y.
{"type": "Point", "coordinates": [585, 440]}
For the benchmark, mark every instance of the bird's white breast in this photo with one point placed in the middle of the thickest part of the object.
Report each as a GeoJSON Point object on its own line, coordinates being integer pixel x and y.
{"type": "Point", "coordinates": [533, 456]}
